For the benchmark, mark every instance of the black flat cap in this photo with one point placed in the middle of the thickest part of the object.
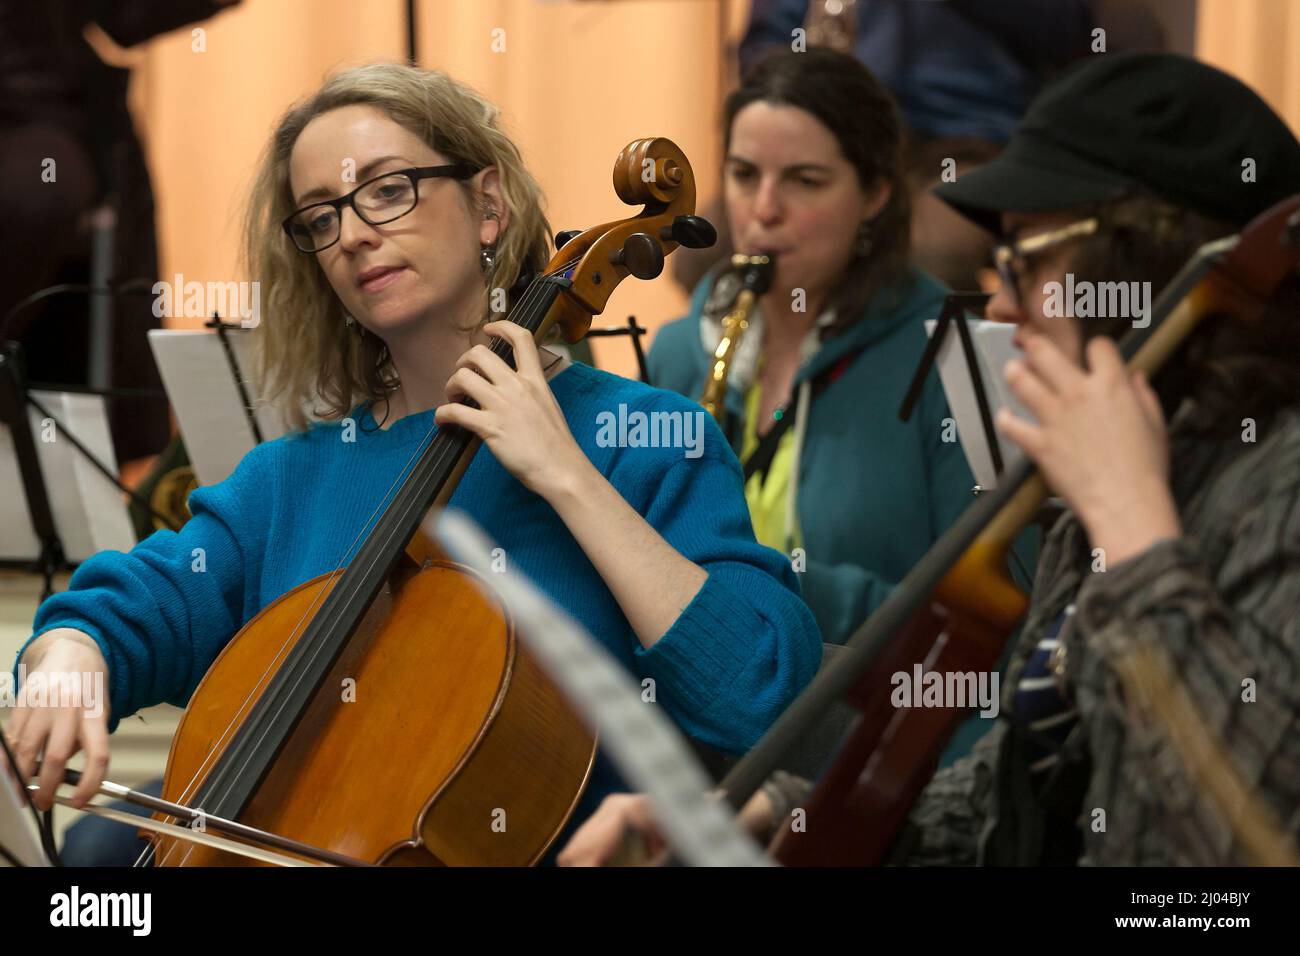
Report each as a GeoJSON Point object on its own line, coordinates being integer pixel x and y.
{"type": "Point", "coordinates": [1137, 123]}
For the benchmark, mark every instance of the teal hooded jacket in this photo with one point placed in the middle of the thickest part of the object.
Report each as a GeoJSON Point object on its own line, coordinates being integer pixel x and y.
{"type": "Point", "coordinates": [874, 492]}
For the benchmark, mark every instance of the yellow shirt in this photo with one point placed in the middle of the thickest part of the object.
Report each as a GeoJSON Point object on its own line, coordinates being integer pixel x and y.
{"type": "Point", "coordinates": [768, 499]}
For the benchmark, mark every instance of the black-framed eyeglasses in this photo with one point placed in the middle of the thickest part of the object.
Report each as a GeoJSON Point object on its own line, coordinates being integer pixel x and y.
{"type": "Point", "coordinates": [379, 200]}
{"type": "Point", "coordinates": [1011, 258]}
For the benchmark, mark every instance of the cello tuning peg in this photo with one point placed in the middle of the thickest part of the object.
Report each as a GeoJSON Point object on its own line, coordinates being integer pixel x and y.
{"type": "Point", "coordinates": [693, 232]}
{"type": "Point", "coordinates": [642, 255]}
{"type": "Point", "coordinates": [562, 238]}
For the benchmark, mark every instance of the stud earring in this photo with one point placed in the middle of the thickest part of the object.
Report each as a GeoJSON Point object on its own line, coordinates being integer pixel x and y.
{"type": "Point", "coordinates": [862, 244]}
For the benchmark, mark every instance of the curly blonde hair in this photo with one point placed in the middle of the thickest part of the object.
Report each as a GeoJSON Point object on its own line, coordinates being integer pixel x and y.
{"type": "Point", "coordinates": [307, 356]}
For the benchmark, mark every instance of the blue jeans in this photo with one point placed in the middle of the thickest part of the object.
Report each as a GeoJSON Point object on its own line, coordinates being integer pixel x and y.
{"type": "Point", "coordinates": [94, 841]}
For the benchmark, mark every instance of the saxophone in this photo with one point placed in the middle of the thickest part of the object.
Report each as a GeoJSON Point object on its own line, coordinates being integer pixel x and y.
{"type": "Point", "coordinates": [754, 274]}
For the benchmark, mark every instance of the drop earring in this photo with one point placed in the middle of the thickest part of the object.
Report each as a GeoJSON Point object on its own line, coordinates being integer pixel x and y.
{"type": "Point", "coordinates": [488, 254]}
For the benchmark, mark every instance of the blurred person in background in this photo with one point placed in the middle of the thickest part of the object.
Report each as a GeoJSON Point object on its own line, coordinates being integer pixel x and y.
{"type": "Point", "coordinates": [69, 154]}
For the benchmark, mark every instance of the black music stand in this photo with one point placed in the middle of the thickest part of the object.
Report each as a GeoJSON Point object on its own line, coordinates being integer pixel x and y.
{"type": "Point", "coordinates": [222, 329]}
{"type": "Point", "coordinates": [635, 332]}
{"type": "Point", "coordinates": [13, 413]}
{"type": "Point", "coordinates": [16, 395]}
{"type": "Point", "coordinates": [956, 312]}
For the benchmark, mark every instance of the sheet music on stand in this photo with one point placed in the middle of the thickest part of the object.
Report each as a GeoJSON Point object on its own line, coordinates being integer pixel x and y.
{"type": "Point", "coordinates": [993, 349]}
{"type": "Point", "coordinates": [210, 406]}
{"type": "Point", "coordinates": [89, 513]}
{"type": "Point", "coordinates": [971, 361]}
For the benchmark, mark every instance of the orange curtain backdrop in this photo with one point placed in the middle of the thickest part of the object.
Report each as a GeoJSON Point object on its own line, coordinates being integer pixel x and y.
{"type": "Point", "coordinates": [576, 81]}
{"type": "Point", "coordinates": [1257, 41]}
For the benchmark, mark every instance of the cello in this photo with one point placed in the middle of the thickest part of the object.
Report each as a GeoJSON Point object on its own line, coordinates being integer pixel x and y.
{"type": "Point", "coordinates": [458, 729]}
{"type": "Point", "coordinates": [958, 606]}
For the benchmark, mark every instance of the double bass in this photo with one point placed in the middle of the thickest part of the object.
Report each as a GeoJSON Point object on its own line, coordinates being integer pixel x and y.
{"type": "Point", "coordinates": [453, 746]}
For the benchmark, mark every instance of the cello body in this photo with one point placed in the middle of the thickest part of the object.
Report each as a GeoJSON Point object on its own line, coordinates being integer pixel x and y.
{"type": "Point", "coordinates": [490, 775]}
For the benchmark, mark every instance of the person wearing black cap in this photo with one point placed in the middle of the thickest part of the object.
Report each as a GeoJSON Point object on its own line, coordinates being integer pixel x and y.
{"type": "Point", "coordinates": [1118, 173]}
{"type": "Point", "coordinates": [1182, 536]}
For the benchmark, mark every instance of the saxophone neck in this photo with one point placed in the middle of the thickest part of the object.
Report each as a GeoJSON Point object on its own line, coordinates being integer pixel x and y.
{"type": "Point", "coordinates": [756, 276]}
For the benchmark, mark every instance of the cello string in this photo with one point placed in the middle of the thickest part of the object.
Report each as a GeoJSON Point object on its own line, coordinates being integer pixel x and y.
{"type": "Point", "coordinates": [262, 679]}
{"type": "Point", "coordinates": [526, 302]}
{"type": "Point", "coordinates": [187, 791]}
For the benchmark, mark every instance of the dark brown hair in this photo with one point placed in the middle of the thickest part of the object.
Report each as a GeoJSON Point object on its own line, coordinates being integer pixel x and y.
{"type": "Point", "coordinates": [1230, 368]}
{"type": "Point", "coordinates": [848, 100]}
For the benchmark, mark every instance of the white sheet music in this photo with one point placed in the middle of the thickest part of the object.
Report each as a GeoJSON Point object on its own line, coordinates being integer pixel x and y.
{"type": "Point", "coordinates": [993, 349]}
{"type": "Point", "coordinates": [197, 376]}
{"type": "Point", "coordinates": [90, 513]}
